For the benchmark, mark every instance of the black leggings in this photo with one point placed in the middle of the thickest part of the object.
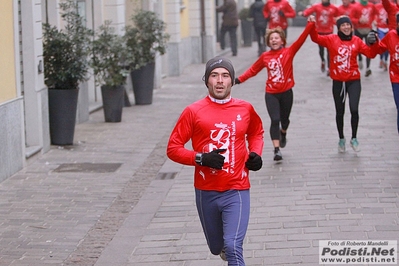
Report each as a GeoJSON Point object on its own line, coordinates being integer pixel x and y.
{"type": "Point", "coordinates": [279, 106]}
{"type": "Point", "coordinates": [340, 90]}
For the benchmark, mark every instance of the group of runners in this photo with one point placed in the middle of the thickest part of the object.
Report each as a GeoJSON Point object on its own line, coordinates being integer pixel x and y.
{"type": "Point", "coordinates": [359, 31]}
{"type": "Point", "coordinates": [226, 133]}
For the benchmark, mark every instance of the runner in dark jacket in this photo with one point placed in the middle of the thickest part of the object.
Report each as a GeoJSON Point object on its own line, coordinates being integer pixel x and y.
{"type": "Point", "coordinates": [229, 24]}
{"type": "Point", "coordinates": [260, 23]}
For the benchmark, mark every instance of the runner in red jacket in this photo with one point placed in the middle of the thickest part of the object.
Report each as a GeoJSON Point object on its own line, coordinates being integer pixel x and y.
{"type": "Point", "coordinates": [345, 75]}
{"type": "Point", "coordinates": [277, 12]}
{"type": "Point", "coordinates": [325, 14]}
{"type": "Point", "coordinates": [390, 43]}
{"type": "Point", "coordinates": [279, 83]}
{"type": "Point", "coordinates": [365, 12]}
{"type": "Point", "coordinates": [382, 30]}
{"type": "Point", "coordinates": [346, 9]}
{"type": "Point", "coordinates": [392, 9]}
{"type": "Point", "coordinates": [226, 135]}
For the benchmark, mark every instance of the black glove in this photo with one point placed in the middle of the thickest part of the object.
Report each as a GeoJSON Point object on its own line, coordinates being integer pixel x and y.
{"type": "Point", "coordinates": [372, 37]}
{"type": "Point", "coordinates": [254, 162]}
{"type": "Point", "coordinates": [281, 13]}
{"type": "Point", "coordinates": [237, 81]}
{"type": "Point", "coordinates": [213, 159]}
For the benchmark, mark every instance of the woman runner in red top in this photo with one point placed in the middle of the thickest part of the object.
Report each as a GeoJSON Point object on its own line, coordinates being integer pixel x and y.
{"type": "Point", "coordinates": [280, 81]}
{"type": "Point", "coordinates": [344, 48]}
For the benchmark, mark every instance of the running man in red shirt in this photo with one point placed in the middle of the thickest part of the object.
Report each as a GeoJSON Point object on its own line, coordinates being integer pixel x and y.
{"type": "Point", "coordinates": [227, 141]}
{"type": "Point", "coordinates": [392, 8]}
{"type": "Point", "coordinates": [345, 75]}
{"type": "Point", "coordinates": [382, 30]}
{"type": "Point", "coordinates": [365, 13]}
{"type": "Point", "coordinates": [390, 43]}
{"type": "Point", "coordinates": [277, 12]}
{"type": "Point", "coordinates": [325, 13]}
{"type": "Point", "coordinates": [346, 9]}
{"type": "Point", "coordinates": [280, 81]}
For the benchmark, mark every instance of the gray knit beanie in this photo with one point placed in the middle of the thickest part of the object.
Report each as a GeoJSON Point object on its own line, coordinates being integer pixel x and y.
{"type": "Point", "coordinates": [217, 62]}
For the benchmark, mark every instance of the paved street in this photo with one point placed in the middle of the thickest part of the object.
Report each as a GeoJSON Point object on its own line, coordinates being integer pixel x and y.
{"type": "Point", "coordinates": [113, 198]}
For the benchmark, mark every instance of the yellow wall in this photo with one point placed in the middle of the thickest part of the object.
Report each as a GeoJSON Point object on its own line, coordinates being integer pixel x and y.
{"type": "Point", "coordinates": [131, 7]}
{"type": "Point", "coordinates": [8, 89]}
{"type": "Point", "coordinates": [184, 21]}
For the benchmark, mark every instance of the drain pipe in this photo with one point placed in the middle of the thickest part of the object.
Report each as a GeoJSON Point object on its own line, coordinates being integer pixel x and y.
{"type": "Point", "coordinates": [203, 31]}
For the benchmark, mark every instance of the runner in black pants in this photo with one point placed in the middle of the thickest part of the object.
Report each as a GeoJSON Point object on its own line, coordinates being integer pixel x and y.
{"type": "Point", "coordinates": [340, 90]}
{"type": "Point", "coordinates": [280, 81]}
{"type": "Point", "coordinates": [344, 72]}
{"type": "Point", "coordinates": [279, 107]}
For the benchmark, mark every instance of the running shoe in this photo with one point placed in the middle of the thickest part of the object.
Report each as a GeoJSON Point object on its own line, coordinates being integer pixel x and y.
{"type": "Point", "coordinates": [384, 65]}
{"type": "Point", "coordinates": [368, 72]}
{"type": "Point", "coordinates": [381, 64]}
{"type": "Point", "coordinates": [283, 140]}
{"type": "Point", "coordinates": [323, 66]}
{"type": "Point", "coordinates": [355, 144]}
{"type": "Point", "coordinates": [223, 255]}
{"type": "Point", "coordinates": [277, 155]}
{"type": "Point", "coordinates": [341, 145]}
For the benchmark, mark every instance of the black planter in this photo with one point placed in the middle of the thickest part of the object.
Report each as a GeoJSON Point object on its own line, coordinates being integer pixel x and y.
{"type": "Point", "coordinates": [113, 102]}
{"type": "Point", "coordinates": [143, 83]}
{"type": "Point", "coordinates": [246, 29]}
{"type": "Point", "coordinates": [62, 115]}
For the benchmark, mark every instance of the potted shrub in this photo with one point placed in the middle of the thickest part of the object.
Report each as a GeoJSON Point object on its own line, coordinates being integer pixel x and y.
{"type": "Point", "coordinates": [110, 63]}
{"type": "Point", "coordinates": [146, 38]}
{"type": "Point", "coordinates": [246, 26]}
{"type": "Point", "coordinates": [65, 56]}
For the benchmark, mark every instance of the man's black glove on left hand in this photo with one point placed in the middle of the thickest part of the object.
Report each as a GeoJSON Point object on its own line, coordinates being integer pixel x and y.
{"type": "Point", "coordinates": [237, 81]}
{"type": "Point", "coordinates": [254, 162]}
{"type": "Point", "coordinates": [213, 159]}
{"type": "Point", "coordinates": [281, 13]}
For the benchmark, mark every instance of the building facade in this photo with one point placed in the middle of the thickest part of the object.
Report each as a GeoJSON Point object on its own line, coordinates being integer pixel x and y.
{"type": "Point", "coordinates": [24, 131]}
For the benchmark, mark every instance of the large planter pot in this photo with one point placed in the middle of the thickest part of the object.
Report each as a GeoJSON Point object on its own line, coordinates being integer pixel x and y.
{"type": "Point", "coordinates": [62, 115]}
{"type": "Point", "coordinates": [143, 83]}
{"type": "Point", "coordinates": [246, 29]}
{"type": "Point", "coordinates": [113, 102]}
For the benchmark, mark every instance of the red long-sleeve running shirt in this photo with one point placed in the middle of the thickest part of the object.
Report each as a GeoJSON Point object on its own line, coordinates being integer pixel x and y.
{"type": "Point", "coordinates": [382, 17]}
{"type": "Point", "coordinates": [234, 126]}
{"type": "Point", "coordinates": [325, 15]}
{"type": "Point", "coordinates": [392, 9]}
{"type": "Point", "coordinates": [346, 10]}
{"type": "Point", "coordinates": [391, 43]}
{"type": "Point", "coordinates": [271, 11]}
{"type": "Point", "coordinates": [343, 55]}
{"type": "Point", "coordinates": [365, 16]}
{"type": "Point", "coordinates": [278, 63]}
